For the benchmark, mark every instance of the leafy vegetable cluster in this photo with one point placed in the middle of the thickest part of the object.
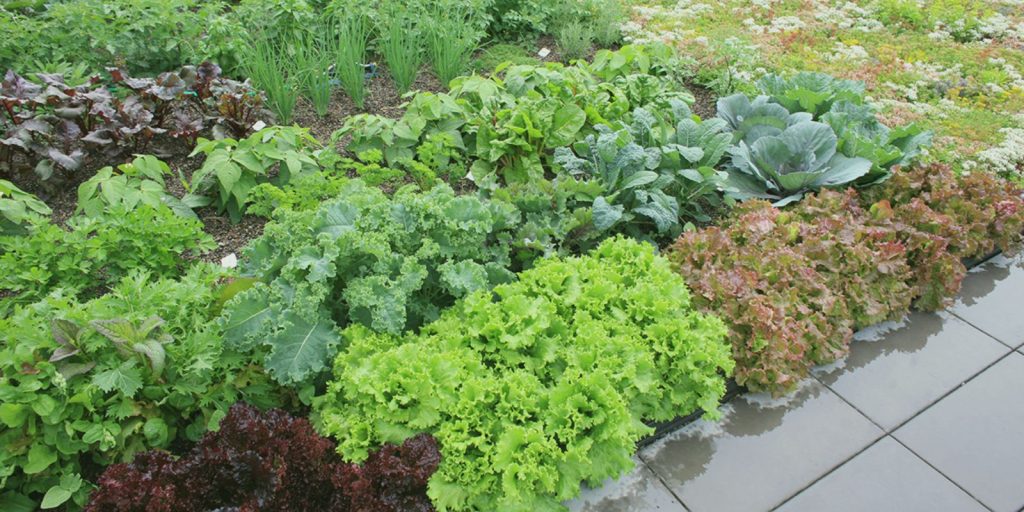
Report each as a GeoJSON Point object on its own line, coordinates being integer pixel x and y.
{"type": "Point", "coordinates": [56, 127]}
{"type": "Point", "coordinates": [808, 132]}
{"type": "Point", "coordinates": [96, 252]}
{"type": "Point", "coordinates": [388, 263]}
{"type": "Point", "coordinates": [536, 386]}
{"type": "Point", "coordinates": [794, 284]}
{"type": "Point", "coordinates": [87, 384]}
{"type": "Point", "coordinates": [270, 461]}
{"type": "Point", "coordinates": [18, 208]}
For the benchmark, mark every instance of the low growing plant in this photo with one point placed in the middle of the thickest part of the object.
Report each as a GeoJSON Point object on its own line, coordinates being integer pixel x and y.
{"type": "Point", "coordinates": [139, 182]}
{"type": "Point", "coordinates": [89, 384]}
{"type": "Point", "coordinates": [536, 386]}
{"type": "Point", "coordinates": [233, 167]}
{"type": "Point", "coordinates": [270, 460]}
{"type": "Point", "coordinates": [18, 208]}
{"type": "Point", "coordinates": [574, 40]}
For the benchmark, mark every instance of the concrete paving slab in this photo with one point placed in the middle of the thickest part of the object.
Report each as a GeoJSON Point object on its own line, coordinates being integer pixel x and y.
{"type": "Point", "coordinates": [638, 490]}
{"type": "Point", "coordinates": [896, 370]}
{"type": "Point", "coordinates": [886, 476]}
{"type": "Point", "coordinates": [973, 436]}
{"type": "Point", "coordinates": [762, 452]}
{"type": "Point", "coordinates": [991, 299]}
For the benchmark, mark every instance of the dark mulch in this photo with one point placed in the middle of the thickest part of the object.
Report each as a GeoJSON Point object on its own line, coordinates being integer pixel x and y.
{"type": "Point", "coordinates": [705, 100]}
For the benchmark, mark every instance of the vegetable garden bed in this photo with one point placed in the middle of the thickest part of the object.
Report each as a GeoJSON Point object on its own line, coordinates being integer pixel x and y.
{"type": "Point", "coordinates": [481, 294]}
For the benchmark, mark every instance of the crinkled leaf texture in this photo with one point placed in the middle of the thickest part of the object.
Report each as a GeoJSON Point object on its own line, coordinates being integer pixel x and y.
{"type": "Point", "coordinates": [390, 264]}
{"type": "Point", "coordinates": [539, 385]}
{"type": "Point", "coordinates": [270, 461]}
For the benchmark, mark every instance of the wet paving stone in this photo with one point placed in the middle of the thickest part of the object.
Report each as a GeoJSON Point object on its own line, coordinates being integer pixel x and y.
{"type": "Point", "coordinates": [878, 479]}
{"type": "Point", "coordinates": [762, 451]}
{"type": "Point", "coordinates": [896, 370]}
{"type": "Point", "coordinates": [638, 490]}
{"type": "Point", "coordinates": [991, 299]}
{"type": "Point", "coordinates": [973, 436]}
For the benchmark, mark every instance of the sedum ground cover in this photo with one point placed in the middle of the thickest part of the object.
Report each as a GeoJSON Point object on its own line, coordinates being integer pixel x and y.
{"type": "Point", "coordinates": [955, 66]}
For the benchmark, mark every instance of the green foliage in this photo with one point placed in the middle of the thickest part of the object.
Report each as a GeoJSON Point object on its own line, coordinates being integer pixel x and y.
{"type": "Point", "coordinates": [96, 253]}
{"type": "Point", "coordinates": [389, 264]}
{"type": "Point", "coordinates": [861, 134]}
{"type": "Point", "coordinates": [312, 62]}
{"type": "Point", "coordinates": [608, 16]}
{"type": "Point", "coordinates": [17, 208]}
{"type": "Point", "coordinates": [652, 175]}
{"type": "Point", "coordinates": [270, 67]}
{"type": "Point", "coordinates": [574, 40]}
{"type": "Point", "coordinates": [90, 384]}
{"type": "Point", "coordinates": [148, 36]}
{"type": "Point", "coordinates": [802, 158]}
{"type": "Point", "coordinates": [399, 44]}
{"type": "Point", "coordinates": [652, 59]}
{"type": "Point", "coordinates": [814, 93]}
{"type": "Point", "coordinates": [537, 386]}
{"type": "Point", "coordinates": [302, 193]}
{"type": "Point", "coordinates": [498, 54]}
{"type": "Point", "coordinates": [520, 20]}
{"type": "Point", "coordinates": [233, 168]}
{"type": "Point", "coordinates": [139, 182]}
{"type": "Point", "coordinates": [349, 34]}
{"type": "Point", "coordinates": [452, 37]}
{"type": "Point", "coordinates": [427, 115]}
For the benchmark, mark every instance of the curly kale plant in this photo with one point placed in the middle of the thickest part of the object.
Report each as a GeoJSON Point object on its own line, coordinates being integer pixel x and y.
{"type": "Point", "coordinates": [270, 461]}
{"type": "Point", "coordinates": [389, 264]}
{"type": "Point", "coordinates": [539, 385]}
{"type": "Point", "coordinates": [84, 385]}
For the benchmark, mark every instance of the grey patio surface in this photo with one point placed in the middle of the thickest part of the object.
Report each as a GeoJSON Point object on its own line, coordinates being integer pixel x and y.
{"type": "Point", "coordinates": [926, 414]}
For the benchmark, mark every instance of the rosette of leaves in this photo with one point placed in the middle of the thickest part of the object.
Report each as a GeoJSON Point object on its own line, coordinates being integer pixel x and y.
{"type": "Point", "coordinates": [814, 93]}
{"type": "Point", "coordinates": [270, 460]}
{"type": "Point", "coordinates": [862, 135]}
{"type": "Point", "coordinates": [537, 386]}
{"type": "Point", "coordinates": [784, 167]}
{"type": "Point", "coordinates": [389, 264]}
{"type": "Point", "coordinates": [651, 177]}
{"type": "Point", "coordinates": [89, 384]}
{"type": "Point", "coordinates": [17, 208]}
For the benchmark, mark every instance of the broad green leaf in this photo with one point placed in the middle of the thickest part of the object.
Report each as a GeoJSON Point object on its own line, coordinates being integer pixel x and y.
{"type": "Point", "coordinates": [606, 215]}
{"type": "Point", "coordinates": [125, 379]}
{"type": "Point", "coordinates": [40, 456]}
{"type": "Point", "coordinates": [302, 348]}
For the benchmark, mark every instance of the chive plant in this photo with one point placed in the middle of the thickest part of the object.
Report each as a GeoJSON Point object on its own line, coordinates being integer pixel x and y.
{"type": "Point", "coordinates": [269, 67]}
{"type": "Point", "coordinates": [451, 41]}
{"type": "Point", "coordinates": [312, 65]}
{"type": "Point", "coordinates": [400, 46]}
{"type": "Point", "coordinates": [349, 35]}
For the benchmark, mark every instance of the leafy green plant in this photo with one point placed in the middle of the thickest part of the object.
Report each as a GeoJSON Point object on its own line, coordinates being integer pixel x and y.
{"type": "Point", "coordinates": [140, 181]}
{"type": "Point", "coordinates": [608, 16]}
{"type": "Point", "coordinates": [652, 177]}
{"type": "Point", "coordinates": [783, 168]}
{"type": "Point", "coordinates": [18, 207]}
{"type": "Point", "coordinates": [574, 40]}
{"type": "Point", "coordinates": [390, 264]}
{"type": "Point", "coordinates": [312, 62]}
{"type": "Point", "coordinates": [537, 386]}
{"type": "Point", "coordinates": [89, 384]}
{"type": "Point", "coordinates": [452, 37]}
{"type": "Point", "coordinates": [814, 93]}
{"type": "Point", "coordinates": [349, 34]}
{"type": "Point", "coordinates": [232, 168]}
{"type": "Point", "coordinates": [270, 67]}
{"type": "Point", "coordinates": [861, 134]}
{"type": "Point", "coordinates": [97, 252]}
{"type": "Point", "coordinates": [302, 193]}
{"type": "Point", "coordinates": [399, 43]}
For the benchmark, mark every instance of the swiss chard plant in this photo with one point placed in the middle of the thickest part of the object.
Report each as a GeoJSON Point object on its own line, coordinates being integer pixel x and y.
{"type": "Point", "coordinates": [536, 386]}
{"type": "Point", "coordinates": [87, 384]}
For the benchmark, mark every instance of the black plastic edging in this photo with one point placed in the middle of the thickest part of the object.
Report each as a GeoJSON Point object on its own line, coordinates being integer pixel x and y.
{"type": "Point", "coordinates": [733, 390]}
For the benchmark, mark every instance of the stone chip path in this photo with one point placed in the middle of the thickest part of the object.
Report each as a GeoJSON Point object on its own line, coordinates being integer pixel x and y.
{"type": "Point", "coordinates": [924, 415]}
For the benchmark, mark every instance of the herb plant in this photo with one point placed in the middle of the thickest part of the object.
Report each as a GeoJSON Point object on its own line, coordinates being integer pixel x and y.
{"type": "Point", "coordinates": [17, 208]}
{"type": "Point", "coordinates": [399, 44]}
{"type": "Point", "coordinates": [349, 34]}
